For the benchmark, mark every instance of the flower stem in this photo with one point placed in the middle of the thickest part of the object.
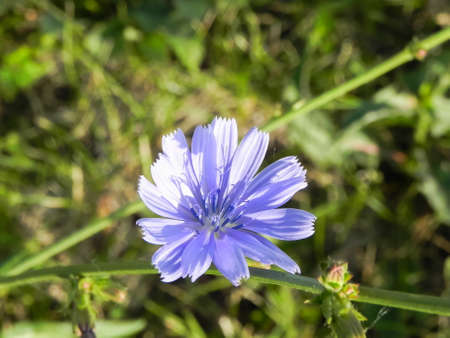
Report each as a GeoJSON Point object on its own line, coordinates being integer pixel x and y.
{"type": "Point", "coordinates": [89, 230]}
{"type": "Point", "coordinates": [401, 300]}
{"type": "Point", "coordinates": [409, 53]}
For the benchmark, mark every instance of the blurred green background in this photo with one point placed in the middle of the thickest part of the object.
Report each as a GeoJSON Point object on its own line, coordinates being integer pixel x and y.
{"type": "Point", "coordinates": [88, 87]}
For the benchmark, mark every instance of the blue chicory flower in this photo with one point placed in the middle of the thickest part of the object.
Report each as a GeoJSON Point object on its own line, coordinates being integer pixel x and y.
{"type": "Point", "coordinates": [215, 209]}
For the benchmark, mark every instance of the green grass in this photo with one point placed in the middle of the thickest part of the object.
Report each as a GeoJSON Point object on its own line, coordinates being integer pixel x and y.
{"type": "Point", "coordinates": [88, 88]}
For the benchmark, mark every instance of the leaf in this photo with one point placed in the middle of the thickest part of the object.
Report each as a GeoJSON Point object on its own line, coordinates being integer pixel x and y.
{"type": "Point", "coordinates": [388, 107]}
{"type": "Point", "coordinates": [441, 122]}
{"type": "Point", "coordinates": [195, 330]}
{"type": "Point", "coordinates": [103, 328]}
{"type": "Point", "coordinates": [153, 47]}
{"type": "Point", "coordinates": [150, 15]}
{"type": "Point", "coordinates": [39, 330]}
{"type": "Point", "coordinates": [119, 328]}
{"type": "Point", "coordinates": [438, 197]}
{"type": "Point", "coordinates": [401, 101]}
{"type": "Point", "coordinates": [447, 276]}
{"type": "Point", "coordinates": [189, 51]}
{"type": "Point", "coordinates": [20, 70]}
{"type": "Point", "coordinates": [314, 134]}
{"type": "Point", "coordinates": [191, 10]}
{"type": "Point", "coordinates": [319, 139]}
{"type": "Point", "coordinates": [435, 185]}
{"type": "Point", "coordinates": [98, 43]}
{"type": "Point", "coordinates": [173, 322]}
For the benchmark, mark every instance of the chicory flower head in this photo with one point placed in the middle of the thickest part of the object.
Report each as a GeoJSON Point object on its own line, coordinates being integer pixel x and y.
{"type": "Point", "coordinates": [214, 206]}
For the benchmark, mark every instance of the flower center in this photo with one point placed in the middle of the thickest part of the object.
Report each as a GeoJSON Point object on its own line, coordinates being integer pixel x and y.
{"type": "Point", "coordinates": [217, 214]}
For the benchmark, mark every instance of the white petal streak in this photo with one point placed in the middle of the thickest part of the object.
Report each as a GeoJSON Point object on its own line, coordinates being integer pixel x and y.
{"type": "Point", "coordinates": [204, 158]}
{"type": "Point", "coordinates": [176, 149]}
{"type": "Point", "coordinates": [164, 230]}
{"type": "Point", "coordinates": [171, 184]}
{"type": "Point", "coordinates": [226, 135]}
{"type": "Point", "coordinates": [169, 172]}
{"type": "Point", "coordinates": [155, 201]}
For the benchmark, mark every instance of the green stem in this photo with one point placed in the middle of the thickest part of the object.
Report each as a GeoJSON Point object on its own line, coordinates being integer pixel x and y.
{"type": "Point", "coordinates": [406, 55]}
{"type": "Point", "coordinates": [401, 300]}
{"type": "Point", "coordinates": [89, 230]}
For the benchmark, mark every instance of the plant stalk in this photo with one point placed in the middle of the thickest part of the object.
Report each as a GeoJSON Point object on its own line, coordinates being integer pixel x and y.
{"type": "Point", "coordinates": [89, 230]}
{"type": "Point", "coordinates": [416, 50]}
{"type": "Point", "coordinates": [395, 299]}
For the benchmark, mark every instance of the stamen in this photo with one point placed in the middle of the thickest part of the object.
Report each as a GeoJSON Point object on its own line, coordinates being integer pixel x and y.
{"type": "Point", "coordinates": [230, 209]}
{"type": "Point", "coordinates": [196, 215]}
{"type": "Point", "coordinates": [226, 220]}
{"type": "Point", "coordinates": [216, 217]}
{"type": "Point", "coordinates": [235, 218]}
{"type": "Point", "coordinates": [215, 199]}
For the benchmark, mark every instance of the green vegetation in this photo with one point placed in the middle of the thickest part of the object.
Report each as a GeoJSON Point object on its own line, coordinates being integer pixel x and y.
{"type": "Point", "coordinates": [87, 89]}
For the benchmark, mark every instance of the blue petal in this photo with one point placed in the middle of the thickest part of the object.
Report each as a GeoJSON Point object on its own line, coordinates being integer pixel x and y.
{"type": "Point", "coordinates": [177, 151]}
{"type": "Point", "coordinates": [167, 259]}
{"type": "Point", "coordinates": [170, 173]}
{"type": "Point", "coordinates": [204, 158]}
{"type": "Point", "coordinates": [261, 250]}
{"type": "Point", "coordinates": [248, 156]}
{"type": "Point", "coordinates": [286, 224]}
{"type": "Point", "coordinates": [198, 255]}
{"type": "Point", "coordinates": [275, 185]}
{"type": "Point", "coordinates": [173, 185]}
{"type": "Point", "coordinates": [164, 230]}
{"type": "Point", "coordinates": [157, 202]}
{"type": "Point", "coordinates": [229, 260]}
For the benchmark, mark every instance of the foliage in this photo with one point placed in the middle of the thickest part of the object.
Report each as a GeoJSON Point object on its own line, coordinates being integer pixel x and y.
{"type": "Point", "coordinates": [87, 89]}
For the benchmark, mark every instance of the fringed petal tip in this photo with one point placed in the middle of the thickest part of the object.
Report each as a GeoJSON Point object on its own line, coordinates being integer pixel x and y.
{"type": "Point", "coordinates": [141, 182]}
{"type": "Point", "coordinates": [239, 281]}
{"type": "Point", "coordinates": [223, 122]}
{"type": "Point", "coordinates": [171, 136]}
{"type": "Point", "coordinates": [168, 278]}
